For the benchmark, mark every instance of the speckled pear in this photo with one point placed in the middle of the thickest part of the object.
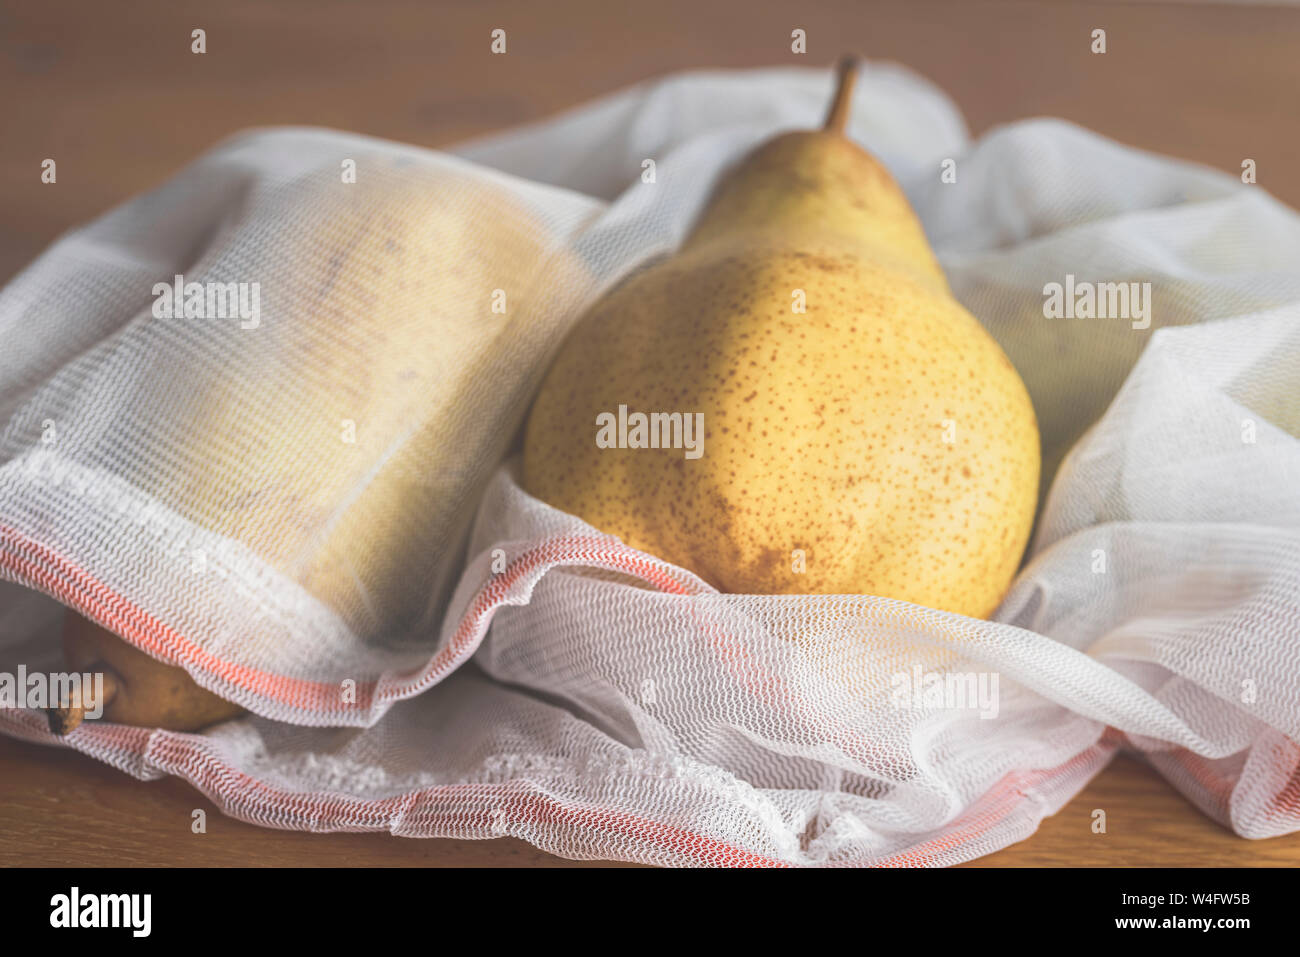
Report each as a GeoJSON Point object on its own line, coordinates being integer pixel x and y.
{"type": "Point", "coordinates": [863, 434]}
{"type": "Point", "coordinates": [382, 337]}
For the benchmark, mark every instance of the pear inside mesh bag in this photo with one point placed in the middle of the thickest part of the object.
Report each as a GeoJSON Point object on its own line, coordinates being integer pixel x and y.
{"type": "Point", "coordinates": [274, 388]}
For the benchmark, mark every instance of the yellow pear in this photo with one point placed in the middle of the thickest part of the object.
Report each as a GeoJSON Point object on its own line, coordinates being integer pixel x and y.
{"type": "Point", "coordinates": [862, 433]}
{"type": "Point", "coordinates": [348, 448]}
{"type": "Point", "coordinates": [344, 438]}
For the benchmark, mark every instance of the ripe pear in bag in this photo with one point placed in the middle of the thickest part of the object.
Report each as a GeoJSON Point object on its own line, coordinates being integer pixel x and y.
{"type": "Point", "coordinates": [862, 433]}
{"type": "Point", "coordinates": [348, 452]}
{"type": "Point", "coordinates": [344, 441]}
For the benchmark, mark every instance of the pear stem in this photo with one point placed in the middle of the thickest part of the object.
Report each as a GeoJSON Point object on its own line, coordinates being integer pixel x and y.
{"type": "Point", "coordinates": [67, 715]}
{"type": "Point", "coordinates": [838, 117]}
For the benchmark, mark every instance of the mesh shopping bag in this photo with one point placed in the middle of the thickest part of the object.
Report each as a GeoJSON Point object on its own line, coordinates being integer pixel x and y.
{"type": "Point", "coordinates": [356, 514]}
{"type": "Point", "coordinates": [240, 446]}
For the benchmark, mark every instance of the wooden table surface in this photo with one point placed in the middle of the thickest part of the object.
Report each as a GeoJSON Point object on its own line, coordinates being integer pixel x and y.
{"type": "Point", "coordinates": [113, 93]}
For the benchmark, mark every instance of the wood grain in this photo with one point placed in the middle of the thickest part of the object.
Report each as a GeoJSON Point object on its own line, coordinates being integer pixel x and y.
{"type": "Point", "coordinates": [112, 92]}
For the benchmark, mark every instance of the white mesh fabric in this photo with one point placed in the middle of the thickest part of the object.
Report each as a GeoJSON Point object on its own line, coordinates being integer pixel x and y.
{"type": "Point", "coordinates": [617, 706]}
{"type": "Point", "coordinates": [270, 497]}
